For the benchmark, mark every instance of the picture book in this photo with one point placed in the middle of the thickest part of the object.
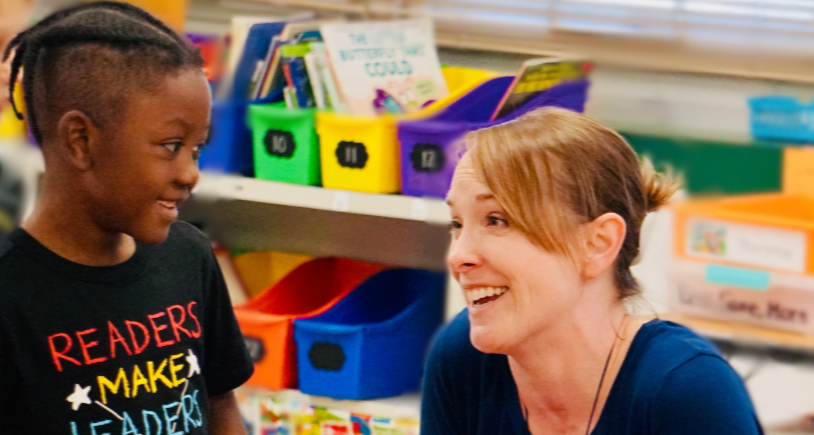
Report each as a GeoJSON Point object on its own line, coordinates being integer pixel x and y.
{"type": "Point", "coordinates": [537, 75]}
{"type": "Point", "coordinates": [384, 67]}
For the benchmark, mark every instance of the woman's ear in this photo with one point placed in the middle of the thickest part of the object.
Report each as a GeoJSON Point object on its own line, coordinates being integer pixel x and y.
{"type": "Point", "coordinates": [75, 132]}
{"type": "Point", "coordinates": [604, 238]}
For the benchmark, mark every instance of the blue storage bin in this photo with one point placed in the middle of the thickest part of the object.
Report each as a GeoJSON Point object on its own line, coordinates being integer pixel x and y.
{"type": "Point", "coordinates": [778, 117]}
{"type": "Point", "coordinates": [372, 343]}
{"type": "Point", "coordinates": [229, 149]}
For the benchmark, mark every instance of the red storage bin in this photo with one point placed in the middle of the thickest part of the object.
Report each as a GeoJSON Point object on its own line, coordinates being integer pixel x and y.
{"type": "Point", "coordinates": [267, 322]}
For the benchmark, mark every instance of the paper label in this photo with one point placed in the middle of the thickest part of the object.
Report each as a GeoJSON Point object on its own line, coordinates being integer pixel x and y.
{"type": "Point", "coordinates": [753, 245]}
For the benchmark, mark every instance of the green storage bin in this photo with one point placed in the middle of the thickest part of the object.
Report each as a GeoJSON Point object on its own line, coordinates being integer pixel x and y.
{"type": "Point", "coordinates": [286, 147]}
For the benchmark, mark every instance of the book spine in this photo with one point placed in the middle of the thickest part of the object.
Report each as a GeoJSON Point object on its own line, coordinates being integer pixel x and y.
{"type": "Point", "coordinates": [262, 90]}
{"type": "Point", "coordinates": [316, 82]}
{"type": "Point", "coordinates": [299, 79]}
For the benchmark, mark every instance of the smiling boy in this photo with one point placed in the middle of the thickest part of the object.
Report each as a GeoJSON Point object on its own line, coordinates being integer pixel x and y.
{"type": "Point", "coordinates": [114, 318]}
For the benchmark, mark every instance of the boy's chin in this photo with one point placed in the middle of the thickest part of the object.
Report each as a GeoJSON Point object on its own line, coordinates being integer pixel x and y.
{"type": "Point", "coordinates": [150, 236]}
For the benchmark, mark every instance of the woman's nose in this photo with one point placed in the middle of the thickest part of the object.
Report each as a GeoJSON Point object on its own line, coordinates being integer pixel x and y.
{"type": "Point", "coordinates": [463, 253]}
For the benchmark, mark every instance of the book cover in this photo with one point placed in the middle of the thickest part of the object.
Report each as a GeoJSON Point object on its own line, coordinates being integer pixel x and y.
{"type": "Point", "coordinates": [256, 47]}
{"type": "Point", "coordinates": [297, 76]}
{"type": "Point", "coordinates": [537, 75]}
{"type": "Point", "coordinates": [385, 67]}
{"type": "Point", "coordinates": [316, 82]}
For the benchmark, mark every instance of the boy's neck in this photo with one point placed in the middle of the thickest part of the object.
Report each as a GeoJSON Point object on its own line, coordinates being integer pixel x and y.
{"type": "Point", "coordinates": [68, 232]}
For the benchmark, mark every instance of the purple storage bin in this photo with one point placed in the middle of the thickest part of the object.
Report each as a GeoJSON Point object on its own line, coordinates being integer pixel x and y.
{"type": "Point", "coordinates": [428, 151]}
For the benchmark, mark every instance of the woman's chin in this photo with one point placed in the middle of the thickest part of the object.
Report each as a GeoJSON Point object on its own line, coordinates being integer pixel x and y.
{"type": "Point", "coordinates": [488, 340]}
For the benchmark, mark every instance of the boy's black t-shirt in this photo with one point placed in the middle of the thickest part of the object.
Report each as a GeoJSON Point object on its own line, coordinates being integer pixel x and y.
{"type": "Point", "coordinates": [135, 348]}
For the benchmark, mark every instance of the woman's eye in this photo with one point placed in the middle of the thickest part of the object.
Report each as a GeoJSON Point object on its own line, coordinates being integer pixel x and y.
{"type": "Point", "coordinates": [496, 221]}
{"type": "Point", "coordinates": [455, 225]}
{"type": "Point", "coordinates": [174, 146]}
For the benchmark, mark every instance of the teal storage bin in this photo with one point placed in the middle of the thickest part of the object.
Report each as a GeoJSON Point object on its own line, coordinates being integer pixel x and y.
{"type": "Point", "coordinates": [285, 143]}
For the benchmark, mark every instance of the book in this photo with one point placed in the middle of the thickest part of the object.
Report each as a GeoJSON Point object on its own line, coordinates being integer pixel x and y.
{"type": "Point", "coordinates": [256, 47]}
{"type": "Point", "coordinates": [275, 79]}
{"type": "Point", "coordinates": [386, 66]}
{"type": "Point", "coordinates": [316, 82]}
{"type": "Point", "coordinates": [538, 75]}
{"type": "Point", "coordinates": [326, 75]}
{"type": "Point", "coordinates": [257, 87]}
{"type": "Point", "coordinates": [239, 32]}
{"type": "Point", "coordinates": [297, 76]}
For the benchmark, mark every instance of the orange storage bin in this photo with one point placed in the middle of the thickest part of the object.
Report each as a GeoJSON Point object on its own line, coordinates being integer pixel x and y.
{"type": "Point", "coordinates": [267, 322]}
{"type": "Point", "coordinates": [772, 231]}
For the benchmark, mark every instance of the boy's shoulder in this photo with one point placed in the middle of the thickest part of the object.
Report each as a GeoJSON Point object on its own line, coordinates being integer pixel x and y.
{"type": "Point", "coordinates": [186, 235]}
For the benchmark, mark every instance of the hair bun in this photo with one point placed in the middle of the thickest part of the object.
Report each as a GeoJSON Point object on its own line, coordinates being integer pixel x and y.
{"type": "Point", "coordinates": [658, 188]}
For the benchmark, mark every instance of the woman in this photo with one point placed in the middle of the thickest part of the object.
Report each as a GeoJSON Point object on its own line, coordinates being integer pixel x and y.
{"type": "Point", "coordinates": [546, 214]}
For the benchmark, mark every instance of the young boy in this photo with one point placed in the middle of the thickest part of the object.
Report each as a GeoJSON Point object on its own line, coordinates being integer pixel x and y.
{"type": "Point", "coordinates": [113, 318]}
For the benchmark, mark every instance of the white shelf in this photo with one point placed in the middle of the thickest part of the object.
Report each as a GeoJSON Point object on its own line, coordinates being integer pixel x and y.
{"type": "Point", "coordinates": [434, 211]}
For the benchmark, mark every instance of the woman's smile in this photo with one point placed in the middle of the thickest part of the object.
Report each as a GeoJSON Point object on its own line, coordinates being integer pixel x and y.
{"type": "Point", "coordinates": [478, 296]}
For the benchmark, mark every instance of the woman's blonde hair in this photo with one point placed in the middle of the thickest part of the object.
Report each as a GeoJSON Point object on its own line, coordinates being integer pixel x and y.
{"type": "Point", "coordinates": [553, 169]}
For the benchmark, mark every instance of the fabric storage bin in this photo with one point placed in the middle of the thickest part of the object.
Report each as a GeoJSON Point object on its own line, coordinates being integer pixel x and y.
{"type": "Point", "coordinates": [361, 153]}
{"type": "Point", "coordinates": [747, 295]}
{"type": "Point", "coordinates": [428, 151]}
{"type": "Point", "coordinates": [285, 144]}
{"type": "Point", "coordinates": [373, 342]}
{"type": "Point", "coordinates": [267, 321]}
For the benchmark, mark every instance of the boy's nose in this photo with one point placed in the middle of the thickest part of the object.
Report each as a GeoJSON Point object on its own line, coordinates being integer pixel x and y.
{"type": "Point", "coordinates": [188, 174]}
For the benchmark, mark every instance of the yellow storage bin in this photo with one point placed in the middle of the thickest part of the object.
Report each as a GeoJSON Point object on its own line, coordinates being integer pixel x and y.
{"type": "Point", "coordinates": [10, 126]}
{"type": "Point", "coordinates": [361, 153]}
{"type": "Point", "coordinates": [260, 270]}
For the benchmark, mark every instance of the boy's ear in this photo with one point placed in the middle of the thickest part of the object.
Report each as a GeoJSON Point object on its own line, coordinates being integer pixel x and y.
{"type": "Point", "coordinates": [76, 131]}
{"type": "Point", "coordinates": [604, 238]}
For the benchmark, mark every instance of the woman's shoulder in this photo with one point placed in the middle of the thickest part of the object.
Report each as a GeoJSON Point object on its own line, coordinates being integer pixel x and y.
{"type": "Point", "coordinates": [686, 382]}
{"type": "Point", "coordinates": [670, 344]}
{"type": "Point", "coordinates": [662, 347]}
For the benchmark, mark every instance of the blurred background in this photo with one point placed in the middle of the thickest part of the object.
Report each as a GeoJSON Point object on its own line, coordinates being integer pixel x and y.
{"type": "Point", "coordinates": [718, 91]}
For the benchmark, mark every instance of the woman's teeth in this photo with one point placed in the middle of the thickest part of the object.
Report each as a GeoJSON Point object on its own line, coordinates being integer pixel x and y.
{"type": "Point", "coordinates": [484, 295]}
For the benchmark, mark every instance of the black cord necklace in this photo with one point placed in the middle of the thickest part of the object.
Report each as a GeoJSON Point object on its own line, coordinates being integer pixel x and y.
{"type": "Point", "coordinates": [596, 397]}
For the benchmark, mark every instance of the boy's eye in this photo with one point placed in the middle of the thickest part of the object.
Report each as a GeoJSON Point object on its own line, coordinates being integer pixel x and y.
{"type": "Point", "coordinates": [455, 225]}
{"type": "Point", "coordinates": [196, 152]}
{"type": "Point", "coordinates": [174, 147]}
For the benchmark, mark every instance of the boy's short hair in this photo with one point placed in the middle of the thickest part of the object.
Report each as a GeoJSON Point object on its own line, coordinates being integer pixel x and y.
{"type": "Point", "coordinates": [91, 58]}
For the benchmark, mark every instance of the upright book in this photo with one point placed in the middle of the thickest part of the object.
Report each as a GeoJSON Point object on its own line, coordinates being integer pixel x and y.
{"type": "Point", "coordinates": [386, 66]}
{"type": "Point", "coordinates": [538, 75]}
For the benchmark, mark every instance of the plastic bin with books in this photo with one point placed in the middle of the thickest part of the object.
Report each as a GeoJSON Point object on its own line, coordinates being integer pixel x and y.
{"type": "Point", "coordinates": [428, 146]}
{"type": "Point", "coordinates": [285, 144]}
{"type": "Point", "coordinates": [267, 320]}
{"type": "Point", "coordinates": [384, 71]}
{"type": "Point", "coordinates": [229, 148]}
{"type": "Point", "coordinates": [372, 343]}
{"type": "Point", "coordinates": [761, 244]}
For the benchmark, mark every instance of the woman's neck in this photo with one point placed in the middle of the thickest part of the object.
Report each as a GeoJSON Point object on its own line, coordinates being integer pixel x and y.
{"type": "Point", "coordinates": [65, 227]}
{"type": "Point", "coordinates": [558, 371]}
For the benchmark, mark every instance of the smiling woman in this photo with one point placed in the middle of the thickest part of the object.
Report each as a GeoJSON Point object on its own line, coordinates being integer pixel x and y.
{"type": "Point", "coordinates": [546, 215]}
